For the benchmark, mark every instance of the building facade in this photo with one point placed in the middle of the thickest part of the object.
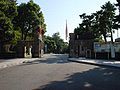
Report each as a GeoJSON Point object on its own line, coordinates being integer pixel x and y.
{"type": "Point", "coordinates": [33, 48]}
{"type": "Point", "coordinates": [80, 48]}
{"type": "Point", "coordinates": [91, 49]}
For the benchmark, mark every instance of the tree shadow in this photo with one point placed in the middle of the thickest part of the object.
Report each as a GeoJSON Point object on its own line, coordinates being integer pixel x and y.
{"type": "Point", "coordinates": [55, 59]}
{"type": "Point", "coordinates": [94, 79]}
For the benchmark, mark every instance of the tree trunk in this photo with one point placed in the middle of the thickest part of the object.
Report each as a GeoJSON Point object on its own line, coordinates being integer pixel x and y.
{"type": "Point", "coordinates": [111, 36]}
{"type": "Point", "coordinates": [104, 35]}
{"type": "Point", "coordinates": [22, 37]}
{"type": "Point", "coordinates": [25, 36]}
{"type": "Point", "coordinates": [2, 47]}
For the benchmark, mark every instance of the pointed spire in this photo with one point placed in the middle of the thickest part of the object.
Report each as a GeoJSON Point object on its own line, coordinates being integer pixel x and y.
{"type": "Point", "coordinates": [66, 31]}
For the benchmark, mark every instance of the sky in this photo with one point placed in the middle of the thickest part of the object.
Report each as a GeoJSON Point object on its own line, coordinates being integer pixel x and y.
{"type": "Point", "coordinates": [56, 12]}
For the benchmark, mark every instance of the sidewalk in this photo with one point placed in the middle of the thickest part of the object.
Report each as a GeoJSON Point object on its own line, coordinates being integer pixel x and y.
{"type": "Point", "coordinates": [109, 63]}
{"type": "Point", "coordinates": [4, 63]}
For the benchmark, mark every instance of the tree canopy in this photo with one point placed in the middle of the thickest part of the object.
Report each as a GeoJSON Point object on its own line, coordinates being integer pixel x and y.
{"type": "Point", "coordinates": [8, 10]}
{"type": "Point", "coordinates": [55, 44]}
{"type": "Point", "coordinates": [98, 24]}
{"type": "Point", "coordinates": [19, 22]}
{"type": "Point", "coordinates": [29, 18]}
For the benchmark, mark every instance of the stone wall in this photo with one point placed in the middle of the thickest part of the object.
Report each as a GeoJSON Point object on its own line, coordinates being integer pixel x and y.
{"type": "Point", "coordinates": [80, 48]}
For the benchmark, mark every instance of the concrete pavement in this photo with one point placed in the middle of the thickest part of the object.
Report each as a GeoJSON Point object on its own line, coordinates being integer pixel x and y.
{"type": "Point", "coordinates": [54, 72]}
{"type": "Point", "coordinates": [109, 63]}
{"type": "Point", "coordinates": [4, 63]}
{"type": "Point", "coordinates": [13, 62]}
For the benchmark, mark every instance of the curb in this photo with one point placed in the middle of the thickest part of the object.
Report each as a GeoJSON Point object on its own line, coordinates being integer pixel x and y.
{"type": "Point", "coordinates": [97, 64]}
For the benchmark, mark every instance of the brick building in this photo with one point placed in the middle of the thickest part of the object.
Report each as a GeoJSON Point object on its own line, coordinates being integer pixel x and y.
{"type": "Point", "coordinates": [79, 47]}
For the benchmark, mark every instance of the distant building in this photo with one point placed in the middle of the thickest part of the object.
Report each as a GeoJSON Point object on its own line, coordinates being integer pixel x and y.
{"type": "Point", "coordinates": [90, 49]}
{"type": "Point", "coordinates": [80, 48]}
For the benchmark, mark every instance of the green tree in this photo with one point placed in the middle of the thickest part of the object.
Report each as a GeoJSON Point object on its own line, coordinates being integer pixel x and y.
{"type": "Point", "coordinates": [29, 18]}
{"type": "Point", "coordinates": [118, 4]}
{"type": "Point", "coordinates": [97, 24]}
{"type": "Point", "coordinates": [61, 46]}
{"type": "Point", "coordinates": [55, 44]}
{"type": "Point", "coordinates": [107, 20]}
{"type": "Point", "coordinates": [117, 17]}
{"type": "Point", "coordinates": [57, 39]}
{"type": "Point", "coordinates": [8, 10]}
{"type": "Point", "coordinates": [51, 45]}
{"type": "Point", "coordinates": [65, 48]}
{"type": "Point", "coordinates": [86, 29]}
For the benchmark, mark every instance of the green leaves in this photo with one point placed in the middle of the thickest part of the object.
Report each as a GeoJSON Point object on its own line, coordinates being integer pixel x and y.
{"type": "Point", "coordinates": [97, 24]}
{"type": "Point", "coordinates": [55, 44]}
{"type": "Point", "coordinates": [29, 17]}
{"type": "Point", "coordinates": [9, 8]}
{"type": "Point", "coordinates": [8, 11]}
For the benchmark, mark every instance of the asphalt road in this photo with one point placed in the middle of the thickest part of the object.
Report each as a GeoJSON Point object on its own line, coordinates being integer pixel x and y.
{"type": "Point", "coordinates": [54, 72]}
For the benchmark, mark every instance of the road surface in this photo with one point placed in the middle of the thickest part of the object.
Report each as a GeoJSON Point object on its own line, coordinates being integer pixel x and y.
{"type": "Point", "coordinates": [54, 72]}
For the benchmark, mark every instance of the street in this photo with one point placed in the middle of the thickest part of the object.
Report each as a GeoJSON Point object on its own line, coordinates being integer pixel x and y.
{"type": "Point", "coordinates": [55, 72]}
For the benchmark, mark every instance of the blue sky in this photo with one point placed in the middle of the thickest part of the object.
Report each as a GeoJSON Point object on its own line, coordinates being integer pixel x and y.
{"type": "Point", "coordinates": [56, 12]}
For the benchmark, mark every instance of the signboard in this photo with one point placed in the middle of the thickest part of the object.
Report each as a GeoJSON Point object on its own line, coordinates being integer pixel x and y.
{"type": "Point", "coordinates": [101, 47]}
{"type": "Point", "coordinates": [107, 47]}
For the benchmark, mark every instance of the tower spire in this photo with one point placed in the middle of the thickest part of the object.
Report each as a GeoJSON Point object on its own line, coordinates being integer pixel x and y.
{"type": "Point", "coordinates": [66, 31]}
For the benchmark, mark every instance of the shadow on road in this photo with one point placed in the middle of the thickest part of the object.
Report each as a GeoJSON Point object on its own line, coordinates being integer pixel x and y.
{"type": "Point", "coordinates": [94, 79]}
{"type": "Point", "coordinates": [53, 59]}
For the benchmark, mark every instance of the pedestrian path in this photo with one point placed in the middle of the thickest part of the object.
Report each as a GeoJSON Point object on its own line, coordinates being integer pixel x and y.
{"type": "Point", "coordinates": [13, 62]}
{"type": "Point", "coordinates": [4, 63]}
{"type": "Point", "coordinates": [110, 63]}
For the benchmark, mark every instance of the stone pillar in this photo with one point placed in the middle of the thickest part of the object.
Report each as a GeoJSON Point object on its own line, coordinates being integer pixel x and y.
{"type": "Point", "coordinates": [46, 48]}
{"type": "Point", "coordinates": [36, 49]}
{"type": "Point", "coordinates": [20, 49]}
{"type": "Point", "coordinates": [30, 48]}
{"type": "Point", "coordinates": [25, 49]}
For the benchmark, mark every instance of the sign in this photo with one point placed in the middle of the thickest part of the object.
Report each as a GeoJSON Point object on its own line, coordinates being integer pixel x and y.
{"type": "Point", "coordinates": [101, 47]}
